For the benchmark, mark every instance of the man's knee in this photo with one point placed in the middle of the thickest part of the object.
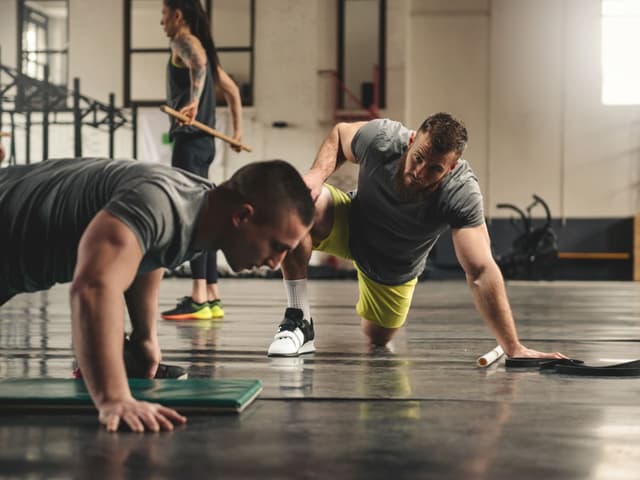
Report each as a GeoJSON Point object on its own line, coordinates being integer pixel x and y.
{"type": "Point", "coordinates": [377, 334]}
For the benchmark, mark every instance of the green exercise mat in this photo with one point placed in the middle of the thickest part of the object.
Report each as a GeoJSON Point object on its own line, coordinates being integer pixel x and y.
{"type": "Point", "coordinates": [196, 395]}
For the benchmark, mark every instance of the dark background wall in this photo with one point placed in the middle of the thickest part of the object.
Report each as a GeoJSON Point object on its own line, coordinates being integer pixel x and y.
{"type": "Point", "coordinates": [574, 235]}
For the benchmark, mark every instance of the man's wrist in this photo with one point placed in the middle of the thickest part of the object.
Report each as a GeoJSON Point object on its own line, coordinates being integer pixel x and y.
{"type": "Point", "coordinates": [142, 335]}
{"type": "Point", "coordinates": [107, 398]}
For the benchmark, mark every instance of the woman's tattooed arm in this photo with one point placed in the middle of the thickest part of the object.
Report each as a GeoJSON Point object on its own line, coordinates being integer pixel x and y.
{"type": "Point", "coordinates": [191, 53]}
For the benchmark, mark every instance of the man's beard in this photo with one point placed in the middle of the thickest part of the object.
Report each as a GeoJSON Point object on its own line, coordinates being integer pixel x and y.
{"type": "Point", "coordinates": [408, 194]}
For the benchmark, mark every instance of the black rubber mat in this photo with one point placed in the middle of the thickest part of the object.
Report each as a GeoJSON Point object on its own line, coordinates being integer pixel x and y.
{"type": "Point", "coordinates": [576, 367]}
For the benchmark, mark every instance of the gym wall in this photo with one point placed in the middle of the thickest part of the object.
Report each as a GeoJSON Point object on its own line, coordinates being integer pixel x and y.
{"type": "Point", "coordinates": [525, 76]}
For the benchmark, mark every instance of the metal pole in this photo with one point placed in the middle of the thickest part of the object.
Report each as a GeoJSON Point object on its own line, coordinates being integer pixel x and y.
{"type": "Point", "coordinates": [1, 109]}
{"type": "Point", "coordinates": [112, 128]}
{"type": "Point", "coordinates": [376, 90]}
{"type": "Point", "coordinates": [12, 150]}
{"type": "Point", "coordinates": [134, 127]}
{"type": "Point", "coordinates": [45, 114]}
{"type": "Point", "coordinates": [77, 119]}
{"type": "Point", "coordinates": [27, 136]}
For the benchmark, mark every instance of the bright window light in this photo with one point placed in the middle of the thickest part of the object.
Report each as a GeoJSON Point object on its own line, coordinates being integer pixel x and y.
{"type": "Point", "coordinates": [621, 52]}
{"type": "Point", "coordinates": [31, 39]}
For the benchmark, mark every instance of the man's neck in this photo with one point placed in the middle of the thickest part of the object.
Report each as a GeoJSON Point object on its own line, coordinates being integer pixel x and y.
{"type": "Point", "coordinates": [210, 221]}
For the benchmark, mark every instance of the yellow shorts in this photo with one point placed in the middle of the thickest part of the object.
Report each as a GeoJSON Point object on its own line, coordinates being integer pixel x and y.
{"type": "Point", "coordinates": [385, 305]}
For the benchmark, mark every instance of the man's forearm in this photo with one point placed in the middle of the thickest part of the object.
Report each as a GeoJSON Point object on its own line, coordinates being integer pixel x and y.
{"type": "Point", "coordinates": [97, 315]}
{"type": "Point", "coordinates": [329, 157]}
{"type": "Point", "coordinates": [142, 304]}
{"type": "Point", "coordinates": [490, 298]}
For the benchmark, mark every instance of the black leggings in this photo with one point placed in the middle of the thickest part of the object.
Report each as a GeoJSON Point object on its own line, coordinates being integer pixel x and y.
{"type": "Point", "coordinates": [205, 266]}
{"type": "Point", "coordinates": [194, 153]}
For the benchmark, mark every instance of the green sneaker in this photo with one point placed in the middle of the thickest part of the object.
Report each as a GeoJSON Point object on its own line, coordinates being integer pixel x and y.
{"type": "Point", "coordinates": [187, 309]}
{"type": "Point", "coordinates": [216, 308]}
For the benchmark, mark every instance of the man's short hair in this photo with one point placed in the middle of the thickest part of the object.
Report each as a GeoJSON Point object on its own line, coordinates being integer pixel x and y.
{"type": "Point", "coordinates": [446, 133]}
{"type": "Point", "coordinates": [272, 187]}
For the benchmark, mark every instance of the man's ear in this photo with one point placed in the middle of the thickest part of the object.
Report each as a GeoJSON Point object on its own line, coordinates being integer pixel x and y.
{"type": "Point", "coordinates": [412, 137]}
{"type": "Point", "coordinates": [242, 214]}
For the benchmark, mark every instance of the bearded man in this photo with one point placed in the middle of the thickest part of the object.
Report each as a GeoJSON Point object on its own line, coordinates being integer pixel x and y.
{"type": "Point", "coordinates": [412, 186]}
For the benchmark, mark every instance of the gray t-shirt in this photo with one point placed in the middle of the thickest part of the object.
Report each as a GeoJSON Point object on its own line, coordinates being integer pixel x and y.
{"type": "Point", "coordinates": [390, 239]}
{"type": "Point", "coordinates": [46, 207]}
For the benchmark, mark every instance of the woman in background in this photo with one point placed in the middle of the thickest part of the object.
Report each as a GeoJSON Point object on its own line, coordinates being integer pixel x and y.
{"type": "Point", "coordinates": [193, 72]}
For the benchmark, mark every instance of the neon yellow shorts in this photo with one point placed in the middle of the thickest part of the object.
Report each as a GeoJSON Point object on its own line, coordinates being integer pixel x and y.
{"type": "Point", "coordinates": [386, 305]}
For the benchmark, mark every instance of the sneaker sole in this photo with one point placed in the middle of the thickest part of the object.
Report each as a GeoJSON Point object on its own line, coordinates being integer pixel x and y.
{"type": "Point", "coordinates": [188, 316]}
{"type": "Point", "coordinates": [308, 347]}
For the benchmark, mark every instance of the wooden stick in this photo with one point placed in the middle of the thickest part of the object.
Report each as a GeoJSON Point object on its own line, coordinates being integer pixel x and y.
{"type": "Point", "coordinates": [5, 134]}
{"type": "Point", "coordinates": [205, 128]}
{"type": "Point", "coordinates": [490, 357]}
{"type": "Point", "coordinates": [594, 255]}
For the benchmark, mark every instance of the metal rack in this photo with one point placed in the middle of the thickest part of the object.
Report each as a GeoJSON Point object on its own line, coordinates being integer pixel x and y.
{"type": "Point", "coordinates": [39, 102]}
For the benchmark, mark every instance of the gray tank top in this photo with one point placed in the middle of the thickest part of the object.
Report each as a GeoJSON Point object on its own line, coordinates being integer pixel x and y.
{"type": "Point", "coordinates": [179, 95]}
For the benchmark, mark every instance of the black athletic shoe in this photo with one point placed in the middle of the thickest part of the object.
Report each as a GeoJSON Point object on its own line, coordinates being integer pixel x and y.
{"type": "Point", "coordinates": [164, 371]}
{"type": "Point", "coordinates": [171, 371]}
{"type": "Point", "coordinates": [295, 335]}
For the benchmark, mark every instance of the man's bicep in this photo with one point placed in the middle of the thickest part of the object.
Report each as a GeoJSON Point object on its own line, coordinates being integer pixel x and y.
{"type": "Point", "coordinates": [108, 252]}
{"type": "Point", "coordinates": [473, 247]}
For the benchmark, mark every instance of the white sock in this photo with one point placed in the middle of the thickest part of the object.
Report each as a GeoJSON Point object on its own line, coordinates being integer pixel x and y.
{"type": "Point", "coordinates": [297, 296]}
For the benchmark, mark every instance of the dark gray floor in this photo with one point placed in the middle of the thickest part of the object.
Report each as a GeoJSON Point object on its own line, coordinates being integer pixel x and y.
{"type": "Point", "coordinates": [421, 411]}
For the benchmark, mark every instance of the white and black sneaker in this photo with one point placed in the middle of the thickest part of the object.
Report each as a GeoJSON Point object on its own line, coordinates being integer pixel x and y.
{"type": "Point", "coordinates": [295, 335]}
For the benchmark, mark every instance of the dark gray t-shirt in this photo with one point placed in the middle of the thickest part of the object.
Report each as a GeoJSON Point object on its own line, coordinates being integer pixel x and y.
{"type": "Point", "coordinates": [390, 239]}
{"type": "Point", "coordinates": [46, 207]}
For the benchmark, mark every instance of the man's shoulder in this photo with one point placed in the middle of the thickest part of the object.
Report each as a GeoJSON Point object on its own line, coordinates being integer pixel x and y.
{"type": "Point", "coordinates": [383, 135]}
{"type": "Point", "coordinates": [135, 172]}
{"type": "Point", "coordinates": [463, 173]}
{"type": "Point", "coordinates": [388, 126]}
{"type": "Point", "coordinates": [461, 184]}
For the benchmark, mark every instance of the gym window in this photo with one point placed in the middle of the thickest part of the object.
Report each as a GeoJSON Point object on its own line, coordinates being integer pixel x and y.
{"type": "Point", "coordinates": [620, 52]}
{"type": "Point", "coordinates": [43, 27]}
{"type": "Point", "coordinates": [147, 48]}
{"type": "Point", "coordinates": [361, 52]}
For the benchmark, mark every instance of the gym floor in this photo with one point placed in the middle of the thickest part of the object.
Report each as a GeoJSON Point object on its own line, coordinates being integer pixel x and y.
{"type": "Point", "coordinates": [422, 410]}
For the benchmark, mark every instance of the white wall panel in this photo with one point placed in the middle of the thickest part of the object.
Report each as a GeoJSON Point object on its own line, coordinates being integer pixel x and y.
{"type": "Point", "coordinates": [447, 70]}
